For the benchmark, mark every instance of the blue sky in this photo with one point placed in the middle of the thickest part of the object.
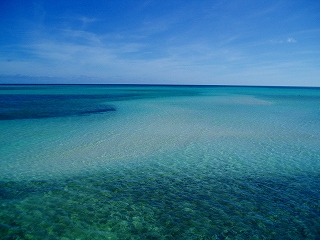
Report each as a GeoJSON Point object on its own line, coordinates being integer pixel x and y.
{"type": "Point", "coordinates": [161, 42]}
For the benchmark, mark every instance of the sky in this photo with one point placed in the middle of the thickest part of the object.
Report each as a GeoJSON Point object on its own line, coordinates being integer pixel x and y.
{"type": "Point", "coordinates": [225, 42]}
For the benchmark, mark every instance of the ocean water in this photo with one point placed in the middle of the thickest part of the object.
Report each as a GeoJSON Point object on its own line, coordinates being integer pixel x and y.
{"type": "Point", "coordinates": [159, 162]}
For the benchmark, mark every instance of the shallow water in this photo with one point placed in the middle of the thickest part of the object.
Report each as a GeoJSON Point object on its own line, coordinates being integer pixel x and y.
{"type": "Point", "coordinates": [159, 162]}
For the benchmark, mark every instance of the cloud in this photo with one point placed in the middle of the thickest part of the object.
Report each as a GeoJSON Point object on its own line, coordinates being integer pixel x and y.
{"type": "Point", "coordinates": [86, 20]}
{"type": "Point", "coordinates": [291, 40]}
{"type": "Point", "coordinates": [276, 41]}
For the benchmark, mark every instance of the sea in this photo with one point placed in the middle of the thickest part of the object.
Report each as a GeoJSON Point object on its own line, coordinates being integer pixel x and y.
{"type": "Point", "coordinates": [159, 162]}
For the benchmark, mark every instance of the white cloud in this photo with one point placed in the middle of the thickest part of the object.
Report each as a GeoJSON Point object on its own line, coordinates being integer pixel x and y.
{"type": "Point", "coordinates": [275, 41]}
{"type": "Point", "coordinates": [86, 20]}
{"type": "Point", "coordinates": [291, 40]}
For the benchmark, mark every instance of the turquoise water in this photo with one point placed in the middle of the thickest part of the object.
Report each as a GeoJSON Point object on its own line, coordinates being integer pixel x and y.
{"type": "Point", "coordinates": [159, 162]}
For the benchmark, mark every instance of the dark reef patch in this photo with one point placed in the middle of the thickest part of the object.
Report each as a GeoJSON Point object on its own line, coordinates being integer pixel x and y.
{"type": "Point", "coordinates": [24, 106]}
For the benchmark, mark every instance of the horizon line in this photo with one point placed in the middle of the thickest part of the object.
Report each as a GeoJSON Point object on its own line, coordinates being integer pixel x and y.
{"type": "Point", "coordinates": [160, 85]}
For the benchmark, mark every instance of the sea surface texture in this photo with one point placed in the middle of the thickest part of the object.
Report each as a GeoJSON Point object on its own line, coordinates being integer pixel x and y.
{"type": "Point", "coordinates": [159, 162]}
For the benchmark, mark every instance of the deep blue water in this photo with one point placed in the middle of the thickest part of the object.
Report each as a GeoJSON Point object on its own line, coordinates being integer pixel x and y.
{"type": "Point", "coordinates": [159, 162]}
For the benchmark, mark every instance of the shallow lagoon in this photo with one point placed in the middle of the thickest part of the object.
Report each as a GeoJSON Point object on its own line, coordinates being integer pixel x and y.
{"type": "Point", "coordinates": [159, 162]}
